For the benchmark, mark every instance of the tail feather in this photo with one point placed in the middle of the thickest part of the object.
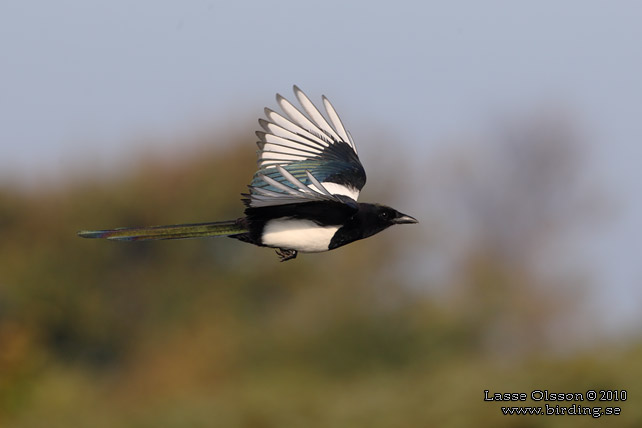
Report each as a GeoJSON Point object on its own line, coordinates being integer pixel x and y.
{"type": "Point", "coordinates": [175, 231]}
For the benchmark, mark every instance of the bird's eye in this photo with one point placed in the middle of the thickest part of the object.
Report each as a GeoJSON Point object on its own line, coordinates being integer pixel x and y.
{"type": "Point", "coordinates": [385, 215]}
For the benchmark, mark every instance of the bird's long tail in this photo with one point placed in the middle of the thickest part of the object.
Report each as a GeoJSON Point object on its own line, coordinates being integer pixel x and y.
{"type": "Point", "coordinates": [175, 231]}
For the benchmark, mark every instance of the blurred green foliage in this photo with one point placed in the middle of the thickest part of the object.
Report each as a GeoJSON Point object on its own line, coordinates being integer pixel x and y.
{"type": "Point", "coordinates": [204, 333]}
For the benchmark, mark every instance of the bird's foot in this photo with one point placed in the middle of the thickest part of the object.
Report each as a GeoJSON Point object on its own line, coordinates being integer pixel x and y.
{"type": "Point", "coordinates": [285, 255]}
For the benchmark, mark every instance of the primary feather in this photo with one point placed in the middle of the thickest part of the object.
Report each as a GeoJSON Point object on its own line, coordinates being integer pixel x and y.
{"type": "Point", "coordinates": [305, 148]}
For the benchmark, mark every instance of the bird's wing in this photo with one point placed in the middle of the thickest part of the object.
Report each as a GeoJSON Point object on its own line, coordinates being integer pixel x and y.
{"type": "Point", "coordinates": [287, 189]}
{"type": "Point", "coordinates": [305, 157]}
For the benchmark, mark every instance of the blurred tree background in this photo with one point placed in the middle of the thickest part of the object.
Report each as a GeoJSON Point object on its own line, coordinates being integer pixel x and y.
{"type": "Point", "coordinates": [404, 329]}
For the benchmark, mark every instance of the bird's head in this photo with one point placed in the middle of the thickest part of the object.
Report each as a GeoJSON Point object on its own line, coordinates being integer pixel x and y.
{"type": "Point", "coordinates": [377, 217]}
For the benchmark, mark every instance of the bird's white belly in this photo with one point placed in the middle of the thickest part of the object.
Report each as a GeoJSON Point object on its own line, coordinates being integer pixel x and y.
{"type": "Point", "coordinates": [301, 235]}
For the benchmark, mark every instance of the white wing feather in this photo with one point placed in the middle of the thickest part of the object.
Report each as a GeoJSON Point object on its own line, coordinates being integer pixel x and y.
{"type": "Point", "coordinates": [298, 136]}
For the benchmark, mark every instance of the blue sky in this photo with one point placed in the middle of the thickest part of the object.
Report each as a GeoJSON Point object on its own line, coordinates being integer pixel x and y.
{"type": "Point", "coordinates": [88, 81]}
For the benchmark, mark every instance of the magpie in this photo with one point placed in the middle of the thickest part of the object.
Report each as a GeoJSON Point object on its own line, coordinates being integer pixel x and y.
{"type": "Point", "coordinates": [303, 198]}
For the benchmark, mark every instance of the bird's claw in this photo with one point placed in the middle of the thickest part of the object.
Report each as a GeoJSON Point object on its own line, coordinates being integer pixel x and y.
{"type": "Point", "coordinates": [285, 255]}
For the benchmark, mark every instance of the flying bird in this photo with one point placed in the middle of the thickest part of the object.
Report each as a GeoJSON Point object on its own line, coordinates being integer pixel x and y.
{"type": "Point", "coordinates": [303, 198]}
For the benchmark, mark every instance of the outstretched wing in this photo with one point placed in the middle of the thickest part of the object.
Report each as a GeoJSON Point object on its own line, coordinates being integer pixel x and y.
{"type": "Point", "coordinates": [304, 157]}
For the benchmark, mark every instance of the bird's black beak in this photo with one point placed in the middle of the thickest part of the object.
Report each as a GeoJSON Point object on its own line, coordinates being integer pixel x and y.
{"type": "Point", "coordinates": [404, 219]}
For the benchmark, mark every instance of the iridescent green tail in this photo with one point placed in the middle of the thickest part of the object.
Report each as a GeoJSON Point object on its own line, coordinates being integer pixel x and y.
{"type": "Point", "coordinates": [175, 231]}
